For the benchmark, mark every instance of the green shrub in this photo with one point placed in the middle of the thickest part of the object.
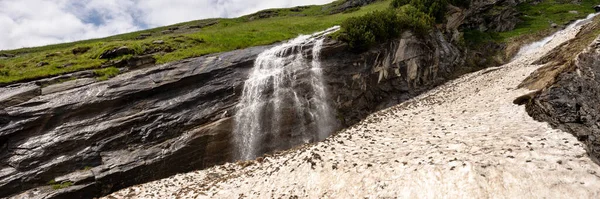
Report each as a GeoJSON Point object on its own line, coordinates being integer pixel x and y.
{"type": "Point", "coordinates": [435, 8]}
{"type": "Point", "coordinates": [363, 32]}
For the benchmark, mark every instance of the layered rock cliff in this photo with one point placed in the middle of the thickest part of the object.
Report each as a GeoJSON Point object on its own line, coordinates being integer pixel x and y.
{"type": "Point", "coordinates": [570, 102]}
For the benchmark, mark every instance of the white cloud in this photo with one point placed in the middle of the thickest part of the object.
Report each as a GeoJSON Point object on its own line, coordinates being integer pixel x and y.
{"type": "Point", "coordinates": [27, 23]}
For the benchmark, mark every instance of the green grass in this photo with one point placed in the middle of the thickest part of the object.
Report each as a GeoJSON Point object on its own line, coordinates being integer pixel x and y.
{"type": "Point", "coordinates": [226, 35]}
{"type": "Point", "coordinates": [106, 73]}
{"type": "Point", "coordinates": [262, 28]}
{"type": "Point", "coordinates": [62, 185]}
{"type": "Point", "coordinates": [541, 16]}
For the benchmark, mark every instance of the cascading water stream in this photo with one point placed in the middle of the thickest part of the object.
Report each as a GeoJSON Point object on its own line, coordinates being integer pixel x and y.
{"type": "Point", "coordinates": [284, 101]}
{"type": "Point", "coordinates": [535, 45]}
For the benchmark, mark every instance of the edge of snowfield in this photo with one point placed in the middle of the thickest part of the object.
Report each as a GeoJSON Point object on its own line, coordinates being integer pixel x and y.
{"type": "Point", "coordinates": [465, 139]}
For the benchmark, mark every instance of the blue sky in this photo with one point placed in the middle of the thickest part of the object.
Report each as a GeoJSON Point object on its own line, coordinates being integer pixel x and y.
{"type": "Point", "coordinates": [28, 23]}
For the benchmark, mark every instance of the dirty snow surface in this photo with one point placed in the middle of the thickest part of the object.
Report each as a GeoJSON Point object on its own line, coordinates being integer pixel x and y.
{"type": "Point", "coordinates": [465, 139]}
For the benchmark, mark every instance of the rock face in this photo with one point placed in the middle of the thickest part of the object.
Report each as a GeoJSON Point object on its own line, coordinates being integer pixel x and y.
{"type": "Point", "coordinates": [571, 103]}
{"type": "Point", "coordinates": [385, 76]}
{"type": "Point", "coordinates": [496, 15]}
{"type": "Point", "coordinates": [350, 4]}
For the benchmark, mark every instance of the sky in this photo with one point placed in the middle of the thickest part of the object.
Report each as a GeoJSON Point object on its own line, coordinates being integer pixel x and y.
{"type": "Point", "coordinates": [29, 23]}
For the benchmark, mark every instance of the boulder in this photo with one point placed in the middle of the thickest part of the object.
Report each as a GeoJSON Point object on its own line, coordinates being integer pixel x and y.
{"type": "Point", "coordinates": [116, 52]}
{"type": "Point", "coordinates": [597, 8]}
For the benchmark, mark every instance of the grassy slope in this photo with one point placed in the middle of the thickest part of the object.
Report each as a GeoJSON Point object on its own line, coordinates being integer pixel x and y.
{"type": "Point", "coordinates": [536, 23]}
{"type": "Point", "coordinates": [242, 32]}
{"type": "Point", "coordinates": [226, 35]}
{"type": "Point", "coordinates": [539, 17]}
{"type": "Point", "coordinates": [562, 59]}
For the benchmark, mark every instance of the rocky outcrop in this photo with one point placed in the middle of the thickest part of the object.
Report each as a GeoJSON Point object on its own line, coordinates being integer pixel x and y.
{"type": "Point", "coordinates": [571, 102]}
{"type": "Point", "coordinates": [389, 74]}
{"type": "Point", "coordinates": [492, 15]}
{"type": "Point", "coordinates": [116, 52]}
{"type": "Point", "coordinates": [350, 4]}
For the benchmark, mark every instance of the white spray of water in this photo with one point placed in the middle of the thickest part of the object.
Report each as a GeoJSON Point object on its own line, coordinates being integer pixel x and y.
{"type": "Point", "coordinates": [284, 99]}
{"type": "Point", "coordinates": [535, 45]}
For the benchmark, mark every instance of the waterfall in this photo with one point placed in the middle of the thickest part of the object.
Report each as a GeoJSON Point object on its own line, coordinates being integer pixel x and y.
{"type": "Point", "coordinates": [284, 100]}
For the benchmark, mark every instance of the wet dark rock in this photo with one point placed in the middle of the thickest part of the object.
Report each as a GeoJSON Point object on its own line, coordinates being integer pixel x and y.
{"type": "Point", "coordinates": [116, 52]}
{"type": "Point", "coordinates": [597, 8]}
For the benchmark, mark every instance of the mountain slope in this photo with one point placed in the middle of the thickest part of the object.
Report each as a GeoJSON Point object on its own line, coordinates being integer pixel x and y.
{"type": "Point", "coordinates": [180, 41]}
{"type": "Point", "coordinates": [465, 139]}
